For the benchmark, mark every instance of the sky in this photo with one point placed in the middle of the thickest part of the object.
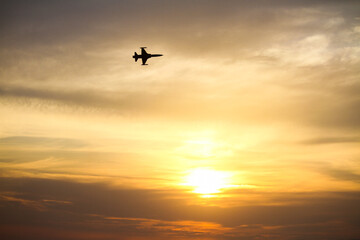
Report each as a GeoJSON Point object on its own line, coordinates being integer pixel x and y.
{"type": "Point", "coordinates": [248, 126]}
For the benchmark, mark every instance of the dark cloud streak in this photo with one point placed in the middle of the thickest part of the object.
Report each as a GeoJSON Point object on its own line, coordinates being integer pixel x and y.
{"type": "Point", "coordinates": [332, 140]}
{"type": "Point", "coordinates": [101, 200]}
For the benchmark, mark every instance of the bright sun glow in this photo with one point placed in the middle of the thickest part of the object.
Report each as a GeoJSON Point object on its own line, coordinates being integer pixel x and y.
{"type": "Point", "coordinates": [207, 181]}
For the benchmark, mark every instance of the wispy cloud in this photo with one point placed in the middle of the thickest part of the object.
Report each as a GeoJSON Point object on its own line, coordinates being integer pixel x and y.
{"type": "Point", "coordinates": [145, 211]}
{"type": "Point", "coordinates": [332, 140]}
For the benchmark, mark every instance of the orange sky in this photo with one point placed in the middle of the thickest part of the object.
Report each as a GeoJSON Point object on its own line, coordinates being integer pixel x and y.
{"type": "Point", "coordinates": [246, 128]}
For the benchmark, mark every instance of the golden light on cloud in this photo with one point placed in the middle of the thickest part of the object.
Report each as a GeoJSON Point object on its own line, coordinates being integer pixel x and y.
{"type": "Point", "coordinates": [198, 146]}
{"type": "Point", "coordinates": [203, 147]}
{"type": "Point", "coordinates": [207, 181]}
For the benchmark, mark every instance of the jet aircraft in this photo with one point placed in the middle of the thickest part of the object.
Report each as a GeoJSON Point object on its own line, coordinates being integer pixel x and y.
{"type": "Point", "coordinates": [144, 56]}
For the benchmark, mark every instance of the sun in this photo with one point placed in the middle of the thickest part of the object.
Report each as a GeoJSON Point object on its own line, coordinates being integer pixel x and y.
{"type": "Point", "coordinates": [207, 181]}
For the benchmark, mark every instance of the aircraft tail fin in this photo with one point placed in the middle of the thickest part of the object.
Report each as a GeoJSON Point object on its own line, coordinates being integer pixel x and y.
{"type": "Point", "coordinates": [136, 56]}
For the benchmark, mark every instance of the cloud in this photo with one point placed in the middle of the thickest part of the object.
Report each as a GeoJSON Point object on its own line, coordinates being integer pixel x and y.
{"type": "Point", "coordinates": [343, 174]}
{"type": "Point", "coordinates": [189, 27]}
{"type": "Point", "coordinates": [126, 211]}
{"type": "Point", "coordinates": [26, 141]}
{"type": "Point", "coordinates": [77, 54]}
{"type": "Point", "coordinates": [77, 107]}
{"type": "Point", "coordinates": [331, 140]}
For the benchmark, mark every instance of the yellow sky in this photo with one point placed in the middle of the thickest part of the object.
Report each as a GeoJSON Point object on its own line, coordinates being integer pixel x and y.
{"type": "Point", "coordinates": [253, 111]}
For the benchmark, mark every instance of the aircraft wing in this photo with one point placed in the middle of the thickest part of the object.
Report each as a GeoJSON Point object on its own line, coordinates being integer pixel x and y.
{"type": "Point", "coordinates": [143, 52]}
{"type": "Point", "coordinates": [144, 59]}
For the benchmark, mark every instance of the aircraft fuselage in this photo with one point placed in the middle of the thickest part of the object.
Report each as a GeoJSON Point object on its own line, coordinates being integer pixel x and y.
{"type": "Point", "coordinates": [144, 56]}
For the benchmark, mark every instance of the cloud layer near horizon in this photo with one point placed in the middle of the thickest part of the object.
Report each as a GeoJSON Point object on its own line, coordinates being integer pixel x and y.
{"type": "Point", "coordinates": [106, 213]}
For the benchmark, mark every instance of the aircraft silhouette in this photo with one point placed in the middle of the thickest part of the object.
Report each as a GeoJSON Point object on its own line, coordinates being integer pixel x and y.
{"type": "Point", "coordinates": [144, 56]}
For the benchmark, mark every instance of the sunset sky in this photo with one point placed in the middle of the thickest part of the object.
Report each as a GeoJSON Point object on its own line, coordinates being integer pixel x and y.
{"type": "Point", "coordinates": [247, 128]}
